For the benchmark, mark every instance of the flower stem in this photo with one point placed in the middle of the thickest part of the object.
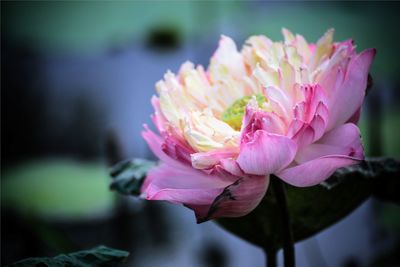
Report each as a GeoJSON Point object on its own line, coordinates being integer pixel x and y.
{"type": "Point", "coordinates": [287, 233]}
{"type": "Point", "coordinates": [271, 257]}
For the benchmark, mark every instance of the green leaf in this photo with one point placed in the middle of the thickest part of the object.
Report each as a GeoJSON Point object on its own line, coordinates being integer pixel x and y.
{"type": "Point", "coordinates": [96, 257]}
{"type": "Point", "coordinates": [313, 209]}
{"type": "Point", "coordinates": [129, 175]}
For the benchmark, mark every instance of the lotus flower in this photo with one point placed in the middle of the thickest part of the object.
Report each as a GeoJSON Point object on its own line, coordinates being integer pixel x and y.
{"type": "Point", "coordinates": [284, 108]}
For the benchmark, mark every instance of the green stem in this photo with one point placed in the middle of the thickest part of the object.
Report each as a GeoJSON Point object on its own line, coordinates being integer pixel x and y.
{"type": "Point", "coordinates": [287, 233]}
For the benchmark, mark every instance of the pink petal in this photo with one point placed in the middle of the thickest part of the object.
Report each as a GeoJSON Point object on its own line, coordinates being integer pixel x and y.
{"type": "Point", "coordinates": [355, 117]}
{"type": "Point", "coordinates": [236, 200]}
{"type": "Point", "coordinates": [266, 153]}
{"type": "Point", "coordinates": [331, 80]}
{"type": "Point", "coordinates": [273, 123]}
{"type": "Point", "coordinates": [315, 171]}
{"type": "Point", "coordinates": [256, 119]}
{"type": "Point", "coordinates": [280, 101]}
{"type": "Point", "coordinates": [342, 52]}
{"type": "Point", "coordinates": [279, 109]}
{"type": "Point", "coordinates": [314, 96]}
{"type": "Point", "coordinates": [173, 143]}
{"type": "Point", "coordinates": [176, 148]}
{"type": "Point", "coordinates": [312, 131]}
{"type": "Point", "coordinates": [208, 195]}
{"type": "Point", "coordinates": [343, 140]}
{"type": "Point", "coordinates": [310, 116]}
{"type": "Point", "coordinates": [305, 133]}
{"type": "Point", "coordinates": [170, 183]}
{"type": "Point", "coordinates": [318, 125]}
{"type": "Point", "coordinates": [339, 148]}
{"type": "Point", "coordinates": [231, 166]}
{"type": "Point", "coordinates": [294, 127]}
{"type": "Point", "coordinates": [156, 143]}
{"type": "Point", "coordinates": [348, 97]}
{"type": "Point", "coordinates": [304, 136]}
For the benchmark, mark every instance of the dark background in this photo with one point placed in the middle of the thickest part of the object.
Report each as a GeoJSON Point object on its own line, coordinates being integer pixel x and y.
{"type": "Point", "coordinates": [76, 81]}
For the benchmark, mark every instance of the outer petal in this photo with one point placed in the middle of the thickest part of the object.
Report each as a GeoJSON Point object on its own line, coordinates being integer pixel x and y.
{"type": "Point", "coordinates": [356, 117]}
{"type": "Point", "coordinates": [340, 147]}
{"type": "Point", "coordinates": [315, 171]}
{"type": "Point", "coordinates": [210, 196]}
{"type": "Point", "coordinates": [236, 200]}
{"type": "Point", "coordinates": [348, 96]}
{"type": "Point", "coordinates": [343, 140]}
{"type": "Point", "coordinates": [266, 153]}
{"type": "Point", "coordinates": [182, 185]}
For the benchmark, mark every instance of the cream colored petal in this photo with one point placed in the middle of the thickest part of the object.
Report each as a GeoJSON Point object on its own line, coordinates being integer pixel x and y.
{"type": "Point", "coordinates": [267, 77]}
{"type": "Point", "coordinates": [204, 132]}
{"type": "Point", "coordinates": [226, 61]}
{"type": "Point", "coordinates": [288, 76]}
{"type": "Point", "coordinates": [303, 48]}
{"type": "Point", "coordinates": [323, 49]}
{"type": "Point", "coordinates": [293, 57]}
{"type": "Point", "coordinates": [288, 35]}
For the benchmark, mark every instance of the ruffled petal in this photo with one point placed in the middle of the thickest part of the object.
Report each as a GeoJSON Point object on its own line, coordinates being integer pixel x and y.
{"type": "Point", "coordinates": [257, 119]}
{"type": "Point", "coordinates": [340, 147]}
{"type": "Point", "coordinates": [312, 131]}
{"type": "Point", "coordinates": [176, 148]}
{"type": "Point", "coordinates": [310, 116]}
{"type": "Point", "coordinates": [266, 153]}
{"type": "Point", "coordinates": [304, 136]}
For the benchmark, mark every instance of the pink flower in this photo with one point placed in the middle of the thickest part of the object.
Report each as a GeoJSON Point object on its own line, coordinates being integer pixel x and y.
{"type": "Point", "coordinates": [284, 108]}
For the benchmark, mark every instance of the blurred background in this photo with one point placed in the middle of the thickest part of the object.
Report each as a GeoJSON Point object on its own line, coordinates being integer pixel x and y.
{"type": "Point", "coordinates": [76, 82]}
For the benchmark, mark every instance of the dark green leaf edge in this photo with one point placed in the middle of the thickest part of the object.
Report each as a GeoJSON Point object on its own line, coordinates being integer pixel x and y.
{"type": "Point", "coordinates": [100, 256]}
{"type": "Point", "coordinates": [128, 176]}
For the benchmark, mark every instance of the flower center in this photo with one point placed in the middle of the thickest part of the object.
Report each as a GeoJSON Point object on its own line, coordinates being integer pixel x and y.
{"type": "Point", "coordinates": [233, 115]}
